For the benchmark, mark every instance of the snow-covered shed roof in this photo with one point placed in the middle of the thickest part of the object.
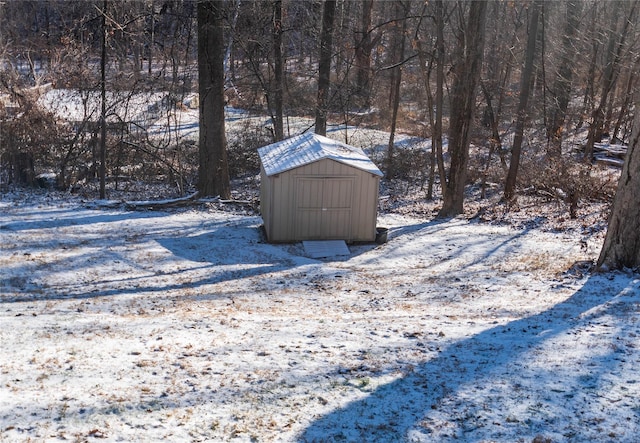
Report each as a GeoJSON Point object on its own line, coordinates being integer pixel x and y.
{"type": "Point", "coordinates": [307, 148]}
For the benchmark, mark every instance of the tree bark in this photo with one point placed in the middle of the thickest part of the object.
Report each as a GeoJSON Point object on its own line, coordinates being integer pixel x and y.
{"type": "Point", "coordinates": [437, 129]}
{"type": "Point", "coordinates": [561, 92]}
{"type": "Point", "coordinates": [396, 80]}
{"type": "Point", "coordinates": [463, 98]}
{"type": "Point", "coordinates": [435, 105]}
{"type": "Point", "coordinates": [324, 66]}
{"type": "Point", "coordinates": [521, 116]}
{"type": "Point", "coordinates": [626, 103]}
{"type": "Point", "coordinates": [362, 52]}
{"type": "Point", "coordinates": [614, 50]}
{"type": "Point", "coordinates": [103, 97]}
{"type": "Point", "coordinates": [278, 67]}
{"type": "Point", "coordinates": [213, 173]}
{"type": "Point", "coordinates": [621, 248]}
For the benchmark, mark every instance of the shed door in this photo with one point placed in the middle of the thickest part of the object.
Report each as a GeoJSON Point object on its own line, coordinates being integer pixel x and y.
{"type": "Point", "coordinates": [323, 208]}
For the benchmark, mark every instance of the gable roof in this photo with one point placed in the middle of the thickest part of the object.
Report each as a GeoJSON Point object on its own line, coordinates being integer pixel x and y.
{"type": "Point", "coordinates": [307, 148]}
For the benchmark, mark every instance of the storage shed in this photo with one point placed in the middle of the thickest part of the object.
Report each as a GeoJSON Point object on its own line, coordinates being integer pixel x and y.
{"type": "Point", "coordinates": [316, 188]}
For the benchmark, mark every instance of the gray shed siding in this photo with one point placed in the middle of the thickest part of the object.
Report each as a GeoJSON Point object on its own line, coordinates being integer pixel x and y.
{"type": "Point", "coordinates": [321, 200]}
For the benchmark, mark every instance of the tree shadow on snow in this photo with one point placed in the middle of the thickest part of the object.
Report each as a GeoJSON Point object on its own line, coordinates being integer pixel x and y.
{"type": "Point", "coordinates": [222, 251]}
{"type": "Point", "coordinates": [225, 252]}
{"type": "Point", "coordinates": [231, 245]}
{"type": "Point", "coordinates": [62, 218]}
{"type": "Point", "coordinates": [402, 410]}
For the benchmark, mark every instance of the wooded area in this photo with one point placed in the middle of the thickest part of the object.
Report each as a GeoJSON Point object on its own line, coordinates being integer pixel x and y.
{"type": "Point", "coordinates": [519, 100]}
{"type": "Point", "coordinates": [478, 184]}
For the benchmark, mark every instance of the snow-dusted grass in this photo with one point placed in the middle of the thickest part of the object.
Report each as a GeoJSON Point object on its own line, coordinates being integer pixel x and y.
{"type": "Point", "coordinates": [186, 326]}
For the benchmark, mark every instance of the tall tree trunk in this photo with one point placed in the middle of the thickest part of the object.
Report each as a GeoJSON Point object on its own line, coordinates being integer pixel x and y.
{"type": "Point", "coordinates": [626, 103]}
{"type": "Point", "coordinates": [228, 53]}
{"type": "Point", "coordinates": [103, 95]}
{"type": "Point", "coordinates": [396, 81]}
{"type": "Point", "coordinates": [592, 31]}
{"type": "Point", "coordinates": [561, 92]}
{"type": "Point", "coordinates": [495, 141]}
{"type": "Point", "coordinates": [610, 75]}
{"type": "Point", "coordinates": [621, 248]}
{"type": "Point", "coordinates": [324, 66]}
{"type": "Point", "coordinates": [363, 46]}
{"type": "Point", "coordinates": [521, 116]}
{"type": "Point", "coordinates": [152, 34]}
{"type": "Point", "coordinates": [463, 98]}
{"type": "Point", "coordinates": [437, 129]}
{"type": "Point", "coordinates": [278, 66]}
{"type": "Point", "coordinates": [213, 173]}
{"type": "Point", "coordinates": [435, 104]}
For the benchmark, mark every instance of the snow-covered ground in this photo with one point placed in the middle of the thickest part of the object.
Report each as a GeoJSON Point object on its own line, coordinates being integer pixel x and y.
{"type": "Point", "coordinates": [186, 326]}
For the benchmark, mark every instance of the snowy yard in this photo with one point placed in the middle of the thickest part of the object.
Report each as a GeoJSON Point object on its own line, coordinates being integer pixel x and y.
{"type": "Point", "coordinates": [185, 326]}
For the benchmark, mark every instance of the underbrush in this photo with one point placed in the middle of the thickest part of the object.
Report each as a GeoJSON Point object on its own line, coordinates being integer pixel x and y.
{"type": "Point", "coordinates": [552, 193]}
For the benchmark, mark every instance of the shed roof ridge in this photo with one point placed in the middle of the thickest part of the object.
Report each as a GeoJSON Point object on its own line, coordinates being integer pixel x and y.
{"type": "Point", "coordinates": [306, 148]}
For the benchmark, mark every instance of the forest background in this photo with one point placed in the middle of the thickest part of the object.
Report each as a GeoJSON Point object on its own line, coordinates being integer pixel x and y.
{"type": "Point", "coordinates": [186, 324]}
{"type": "Point", "coordinates": [555, 80]}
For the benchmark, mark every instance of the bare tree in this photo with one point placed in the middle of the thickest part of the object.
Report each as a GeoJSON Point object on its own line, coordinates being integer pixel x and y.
{"type": "Point", "coordinates": [324, 66]}
{"type": "Point", "coordinates": [278, 67]}
{"type": "Point", "coordinates": [463, 102]}
{"type": "Point", "coordinates": [439, 99]}
{"type": "Point", "coordinates": [397, 55]}
{"type": "Point", "coordinates": [435, 104]}
{"type": "Point", "coordinates": [363, 46]}
{"type": "Point", "coordinates": [499, 64]}
{"type": "Point", "coordinates": [561, 91]}
{"type": "Point", "coordinates": [103, 101]}
{"type": "Point", "coordinates": [213, 173]}
{"type": "Point", "coordinates": [521, 114]}
{"type": "Point", "coordinates": [614, 51]}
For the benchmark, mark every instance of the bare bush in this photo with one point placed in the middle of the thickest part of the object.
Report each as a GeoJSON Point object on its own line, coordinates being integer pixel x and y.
{"type": "Point", "coordinates": [29, 143]}
{"type": "Point", "coordinates": [567, 181]}
{"type": "Point", "coordinates": [242, 149]}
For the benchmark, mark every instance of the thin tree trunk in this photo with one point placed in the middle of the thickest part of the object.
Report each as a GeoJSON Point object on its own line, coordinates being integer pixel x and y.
{"type": "Point", "coordinates": [279, 70]}
{"type": "Point", "coordinates": [626, 103]}
{"type": "Point", "coordinates": [437, 129]}
{"type": "Point", "coordinates": [363, 54]}
{"type": "Point", "coordinates": [495, 141]}
{"type": "Point", "coordinates": [435, 107]}
{"type": "Point", "coordinates": [103, 96]}
{"type": "Point", "coordinates": [228, 54]}
{"type": "Point", "coordinates": [589, 91]}
{"type": "Point", "coordinates": [561, 92]}
{"type": "Point", "coordinates": [610, 76]}
{"type": "Point", "coordinates": [521, 117]}
{"type": "Point", "coordinates": [152, 35]}
{"type": "Point", "coordinates": [324, 66]}
{"type": "Point", "coordinates": [395, 87]}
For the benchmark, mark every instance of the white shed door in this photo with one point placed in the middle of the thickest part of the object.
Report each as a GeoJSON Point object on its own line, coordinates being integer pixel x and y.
{"type": "Point", "coordinates": [323, 208]}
